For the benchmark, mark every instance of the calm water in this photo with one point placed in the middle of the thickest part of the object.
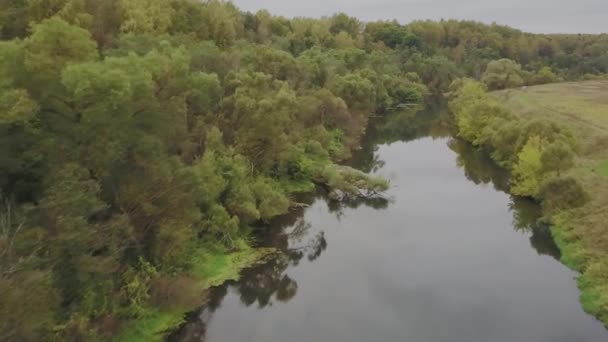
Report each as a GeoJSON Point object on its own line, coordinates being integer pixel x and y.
{"type": "Point", "coordinates": [449, 257]}
{"type": "Point", "coordinates": [541, 16]}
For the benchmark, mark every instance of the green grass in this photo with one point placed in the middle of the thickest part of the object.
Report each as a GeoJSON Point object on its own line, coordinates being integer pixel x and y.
{"type": "Point", "coordinates": [151, 327]}
{"type": "Point", "coordinates": [572, 253]}
{"type": "Point", "coordinates": [581, 234]}
{"type": "Point", "coordinates": [602, 168]}
{"type": "Point", "coordinates": [582, 106]}
{"type": "Point", "coordinates": [213, 266]}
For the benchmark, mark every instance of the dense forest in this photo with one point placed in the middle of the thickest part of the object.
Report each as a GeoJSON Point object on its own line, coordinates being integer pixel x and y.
{"type": "Point", "coordinates": [136, 133]}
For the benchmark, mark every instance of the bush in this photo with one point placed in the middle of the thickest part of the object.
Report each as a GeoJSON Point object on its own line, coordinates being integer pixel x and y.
{"type": "Point", "coordinates": [562, 193]}
{"type": "Point", "coordinates": [180, 292]}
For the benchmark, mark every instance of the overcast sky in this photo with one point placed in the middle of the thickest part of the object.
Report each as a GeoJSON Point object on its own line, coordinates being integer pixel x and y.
{"type": "Point", "coordinates": [542, 16]}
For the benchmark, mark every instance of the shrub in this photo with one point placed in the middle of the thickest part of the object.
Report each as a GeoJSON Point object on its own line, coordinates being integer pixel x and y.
{"type": "Point", "coordinates": [561, 193]}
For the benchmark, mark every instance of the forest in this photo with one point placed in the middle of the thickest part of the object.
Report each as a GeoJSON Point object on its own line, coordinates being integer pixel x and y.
{"type": "Point", "coordinates": [143, 139]}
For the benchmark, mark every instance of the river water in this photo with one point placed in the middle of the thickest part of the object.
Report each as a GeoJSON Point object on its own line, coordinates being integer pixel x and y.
{"type": "Point", "coordinates": [448, 257]}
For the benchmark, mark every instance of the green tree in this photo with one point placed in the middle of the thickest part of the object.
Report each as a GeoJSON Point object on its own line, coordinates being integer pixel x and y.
{"type": "Point", "coordinates": [24, 282]}
{"type": "Point", "coordinates": [343, 23]}
{"type": "Point", "coordinates": [528, 171]}
{"type": "Point", "coordinates": [53, 45]}
{"type": "Point", "coordinates": [13, 18]}
{"type": "Point", "coordinates": [146, 16]}
{"type": "Point", "coordinates": [224, 22]}
{"type": "Point", "coordinates": [503, 73]}
{"type": "Point", "coordinates": [557, 157]}
{"type": "Point", "coordinates": [271, 201]}
{"type": "Point", "coordinates": [545, 75]}
{"type": "Point", "coordinates": [562, 193]}
{"type": "Point", "coordinates": [261, 112]}
{"type": "Point", "coordinates": [357, 91]}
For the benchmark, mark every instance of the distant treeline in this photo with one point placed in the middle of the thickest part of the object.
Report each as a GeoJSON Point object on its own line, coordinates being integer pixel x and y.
{"type": "Point", "coordinates": [136, 132]}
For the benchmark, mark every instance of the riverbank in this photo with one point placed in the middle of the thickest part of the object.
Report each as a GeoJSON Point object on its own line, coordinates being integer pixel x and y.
{"type": "Point", "coordinates": [448, 246]}
{"type": "Point", "coordinates": [582, 233]}
{"type": "Point", "coordinates": [213, 264]}
{"type": "Point", "coordinates": [213, 267]}
{"type": "Point", "coordinates": [576, 112]}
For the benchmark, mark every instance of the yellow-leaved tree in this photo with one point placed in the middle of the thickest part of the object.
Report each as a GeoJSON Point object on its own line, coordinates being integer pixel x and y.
{"type": "Point", "coordinates": [528, 171]}
{"type": "Point", "coordinates": [146, 16]}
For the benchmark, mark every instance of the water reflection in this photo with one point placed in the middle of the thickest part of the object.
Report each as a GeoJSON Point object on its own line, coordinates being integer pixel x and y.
{"type": "Point", "coordinates": [480, 169]}
{"type": "Point", "coordinates": [274, 283]}
{"type": "Point", "coordinates": [401, 126]}
{"type": "Point", "coordinates": [478, 166]}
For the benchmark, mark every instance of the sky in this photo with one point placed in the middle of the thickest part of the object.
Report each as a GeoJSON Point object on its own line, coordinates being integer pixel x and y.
{"type": "Point", "coordinates": [538, 16]}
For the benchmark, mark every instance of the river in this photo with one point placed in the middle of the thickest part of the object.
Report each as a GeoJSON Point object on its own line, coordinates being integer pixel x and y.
{"type": "Point", "coordinates": [449, 256]}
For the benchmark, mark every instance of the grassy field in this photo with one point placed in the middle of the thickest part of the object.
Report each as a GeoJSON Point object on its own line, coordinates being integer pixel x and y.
{"type": "Point", "coordinates": [582, 234]}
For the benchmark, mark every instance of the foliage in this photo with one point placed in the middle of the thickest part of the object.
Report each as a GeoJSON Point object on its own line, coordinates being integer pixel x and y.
{"type": "Point", "coordinates": [527, 172]}
{"type": "Point", "coordinates": [532, 149]}
{"type": "Point", "coordinates": [133, 132]}
{"type": "Point", "coordinates": [561, 194]}
{"type": "Point", "coordinates": [558, 137]}
{"type": "Point", "coordinates": [557, 157]}
{"type": "Point", "coordinates": [545, 75]}
{"type": "Point", "coordinates": [146, 16]}
{"type": "Point", "coordinates": [502, 73]}
{"type": "Point", "coordinates": [347, 183]}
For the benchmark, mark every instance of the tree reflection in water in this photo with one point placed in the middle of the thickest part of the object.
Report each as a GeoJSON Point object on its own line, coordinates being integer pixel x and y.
{"type": "Point", "coordinates": [298, 240]}
{"type": "Point", "coordinates": [527, 215]}
{"type": "Point", "coordinates": [265, 284]}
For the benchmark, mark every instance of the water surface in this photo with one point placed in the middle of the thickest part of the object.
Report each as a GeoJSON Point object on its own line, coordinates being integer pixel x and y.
{"type": "Point", "coordinates": [449, 257]}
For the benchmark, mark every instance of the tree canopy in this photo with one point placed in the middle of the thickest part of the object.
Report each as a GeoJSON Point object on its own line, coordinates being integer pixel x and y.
{"type": "Point", "coordinates": [134, 133]}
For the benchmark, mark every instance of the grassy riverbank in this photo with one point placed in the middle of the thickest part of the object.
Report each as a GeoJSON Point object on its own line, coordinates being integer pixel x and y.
{"type": "Point", "coordinates": [581, 233]}
{"type": "Point", "coordinates": [213, 267]}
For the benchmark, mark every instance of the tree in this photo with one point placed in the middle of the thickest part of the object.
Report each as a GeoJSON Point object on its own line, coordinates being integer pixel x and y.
{"type": "Point", "coordinates": [76, 12]}
{"type": "Point", "coordinates": [479, 121]}
{"type": "Point", "coordinates": [501, 74]}
{"type": "Point", "coordinates": [54, 44]}
{"type": "Point", "coordinates": [392, 34]}
{"type": "Point", "coordinates": [205, 95]}
{"type": "Point", "coordinates": [437, 72]}
{"type": "Point", "coordinates": [17, 108]}
{"type": "Point", "coordinates": [357, 91]}
{"type": "Point", "coordinates": [464, 92]}
{"type": "Point", "coordinates": [557, 157]}
{"type": "Point", "coordinates": [559, 193]}
{"type": "Point", "coordinates": [146, 16]}
{"type": "Point", "coordinates": [223, 22]}
{"type": "Point", "coordinates": [504, 143]}
{"type": "Point", "coordinates": [478, 116]}
{"type": "Point", "coordinates": [261, 114]}
{"type": "Point", "coordinates": [528, 171]}
{"type": "Point", "coordinates": [13, 18]}
{"type": "Point", "coordinates": [545, 75]}
{"type": "Point", "coordinates": [343, 23]}
{"type": "Point", "coordinates": [279, 64]}
{"type": "Point", "coordinates": [38, 10]}
{"type": "Point", "coordinates": [271, 201]}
